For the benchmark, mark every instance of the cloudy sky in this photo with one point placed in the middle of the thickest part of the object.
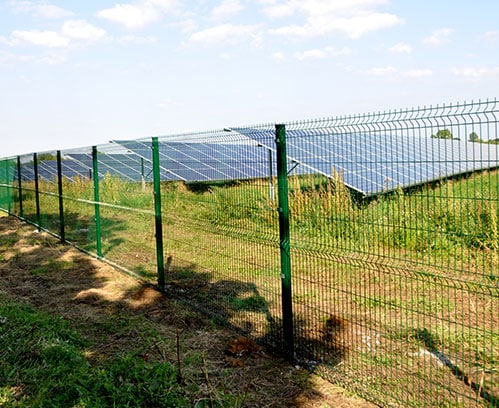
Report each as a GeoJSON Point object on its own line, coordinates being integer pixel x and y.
{"type": "Point", "coordinates": [79, 73]}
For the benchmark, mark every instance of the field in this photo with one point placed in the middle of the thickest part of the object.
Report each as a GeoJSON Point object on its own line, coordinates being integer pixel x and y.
{"type": "Point", "coordinates": [394, 297]}
{"type": "Point", "coordinates": [76, 332]}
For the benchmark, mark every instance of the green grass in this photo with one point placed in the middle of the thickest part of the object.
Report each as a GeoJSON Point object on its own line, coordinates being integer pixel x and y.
{"type": "Point", "coordinates": [448, 221]}
{"type": "Point", "coordinates": [43, 362]}
{"type": "Point", "coordinates": [426, 259]}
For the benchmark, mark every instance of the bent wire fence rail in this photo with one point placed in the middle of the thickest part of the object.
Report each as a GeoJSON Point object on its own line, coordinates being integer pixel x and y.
{"type": "Point", "coordinates": [365, 247]}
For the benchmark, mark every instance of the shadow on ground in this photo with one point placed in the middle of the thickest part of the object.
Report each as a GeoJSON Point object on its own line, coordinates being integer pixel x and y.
{"type": "Point", "coordinates": [117, 314]}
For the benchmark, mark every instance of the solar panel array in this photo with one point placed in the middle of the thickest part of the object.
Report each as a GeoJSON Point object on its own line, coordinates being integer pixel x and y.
{"type": "Point", "coordinates": [368, 162]}
{"type": "Point", "coordinates": [373, 163]}
{"type": "Point", "coordinates": [126, 166]}
{"type": "Point", "coordinates": [206, 161]}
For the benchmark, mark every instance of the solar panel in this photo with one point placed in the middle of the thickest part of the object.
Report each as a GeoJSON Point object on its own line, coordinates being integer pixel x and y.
{"type": "Point", "coordinates": [71, 169]}
{"type": "Point", "coordinates": [125, 166]}
{"type": "Point", "coordinates": [376, 163]}
{"type": "Point", "coordinates": [206, 161]}
{"type": "Point", "coordinates": [47, 170]}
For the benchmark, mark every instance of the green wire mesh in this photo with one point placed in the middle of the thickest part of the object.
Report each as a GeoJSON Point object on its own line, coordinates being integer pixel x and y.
{"type": "Point", "coordinates": [395, 291]}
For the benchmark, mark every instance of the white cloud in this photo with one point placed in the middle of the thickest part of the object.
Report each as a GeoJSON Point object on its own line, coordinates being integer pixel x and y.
{"type": "Point", "coordinates": [491, 36]}
{"type": "Point", "coordinates": [273, 10]}
{"type": "Point", "coordinates": [226, 9]}
{"type": "Point", "coordinates": [81, 30]}
{"type": "Point", "coordinates": [418, 73]}
{"type": "Point", "coordinates": [310, 54]}
{"type": "Point", "coordinates": [186, 25]}
{"type": "Point", "coordinates": [276, 9]}
{"type": "Point", "coordinates": [356, 27]}
{"type": "Point", "coordinates": [278, 56]}
{"type": "Point", "coordinates": [52, 59]}
{"type": "Point", "coordinates": [316, 54]}
{"type": "Point", "coordinates": [355, 18]}
{"type": "Point", "coordinates": [40, 10]}
{"type": "Point", "coordinates": [70, 32]}
{"type": "Point", "coordinates": [131, 16]}
{"type": "Point", "coordinates": [401, 48]}
{"type": "Point", "coordinates": [438, 37]}
{"type": "Point", "coordinates": [6, 58]}
{"type": "Point", "coordinates": [476, 73]}
{"type": "Point", "coordinates": [227, 34]}
{"type": "Point", "coordinates": [132, 39]}
{"type": "Point", "coordinates": [392, 72]}
{"type": "Point", "coordinates": [382, 71]}
{"type": "Point", "coordinates": [137, 15]}
{"type": "Point", "coordinates": [50, 39]}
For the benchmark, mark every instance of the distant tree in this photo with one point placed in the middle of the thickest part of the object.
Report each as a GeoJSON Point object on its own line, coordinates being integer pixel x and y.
{"type": "Point", "coordinates": [443, 134]}
{"type": "Point", "coordinates": [46, 156]}
{"type": "Point", "coordinates": [474, 137]}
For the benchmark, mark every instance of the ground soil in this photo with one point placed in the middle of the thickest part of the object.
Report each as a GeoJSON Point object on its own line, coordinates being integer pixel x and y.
{"type": "Point", "coordinates": [37, 269]}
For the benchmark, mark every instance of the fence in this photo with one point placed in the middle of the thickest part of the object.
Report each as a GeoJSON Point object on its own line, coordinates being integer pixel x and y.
{"type": "Point", "coordinates": [366, 246]}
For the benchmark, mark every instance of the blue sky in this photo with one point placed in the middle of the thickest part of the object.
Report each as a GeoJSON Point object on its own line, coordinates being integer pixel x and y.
{"type": "Point", "coordinates": [80, 73]}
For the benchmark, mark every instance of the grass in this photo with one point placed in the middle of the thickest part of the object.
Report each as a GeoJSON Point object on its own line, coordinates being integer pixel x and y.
{"type": "Point", "coordinates": [87, 335]}
{"type": "Point", "coordinates": [421, 261]}
{"type": "Point", "coordinates": [45, 361]}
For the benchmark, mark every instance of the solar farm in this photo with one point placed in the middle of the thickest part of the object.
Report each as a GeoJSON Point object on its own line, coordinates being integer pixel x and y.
{"type": "Point", "coordinates": [365, 247]}
{"type": "Point", "coordinates": [367, 165]}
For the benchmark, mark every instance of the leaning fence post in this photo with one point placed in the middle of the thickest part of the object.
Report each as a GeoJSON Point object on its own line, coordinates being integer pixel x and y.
{"type": "Point", "coordinates": [20, 185]}
{"type": "Point", "coordinates": [37, 192]}
{"type": "Point", "coordinates": [61, 201]}
{"type": "Point", "coordinates": [157, 213]}
{"type": "Point", "coordinates": [282, 182]}
{"type": "Point", "coordinates": [97, 202]}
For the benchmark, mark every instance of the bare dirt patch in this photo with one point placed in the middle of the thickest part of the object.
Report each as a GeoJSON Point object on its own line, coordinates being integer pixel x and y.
{"type": "Point", "coordinates": [116, 313]}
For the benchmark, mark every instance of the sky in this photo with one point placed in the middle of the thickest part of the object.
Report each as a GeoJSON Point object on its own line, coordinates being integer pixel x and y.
{"type": "Point", "coordinates": [82, 73]}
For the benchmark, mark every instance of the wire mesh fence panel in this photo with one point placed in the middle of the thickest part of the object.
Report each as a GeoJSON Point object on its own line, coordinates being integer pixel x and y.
{"type": "Point", "coordinates": [366, 247]}
{"type": "Point", "coordinates": [28, 188]}
{"type": "Point", "coordinates": [395, 289]}
{"type": "Point", "coordinates": [47, 187]}
{"type": "Point", "coordinates": [126, 210]}
{"type": "Point", "coordinates": [8, 192]}
{"type": "Point", "coordinates": [78, 210]}
{"type": "Point", "coordinates": [219, 224]}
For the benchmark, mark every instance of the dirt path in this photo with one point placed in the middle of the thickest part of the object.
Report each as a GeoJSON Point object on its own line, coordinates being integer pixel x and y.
{"type": "Point", "coordinates": [38, 270]}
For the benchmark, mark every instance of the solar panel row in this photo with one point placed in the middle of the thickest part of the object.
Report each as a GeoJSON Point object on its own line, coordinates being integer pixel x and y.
{"type": "Point", "coordinates": [376, 163]}
{"type": "Point", "coordinates": [206, 161]}
{"type": "Point", "coordinates": [369, 163]}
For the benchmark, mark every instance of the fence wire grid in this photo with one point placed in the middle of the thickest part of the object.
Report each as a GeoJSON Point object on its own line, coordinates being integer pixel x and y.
{"type": "Point", "coordinates": [366, 247]}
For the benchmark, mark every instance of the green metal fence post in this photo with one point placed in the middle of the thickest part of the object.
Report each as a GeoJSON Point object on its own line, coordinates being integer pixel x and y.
{"type": "Point", "coordinates": [37, 192]}
{"type": "Point", "coordinates": [9, 193]}
{"type": "Point", "coordinates": [61, 201]}
{"type": "Point", "coordinates": [157, 212]}
{"type": "Point", "coordinates": [282, 182]}
{"type": "Point", "coordinates": [97, 202]}
{"type": "Point", "coordinates": [19, 183]}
